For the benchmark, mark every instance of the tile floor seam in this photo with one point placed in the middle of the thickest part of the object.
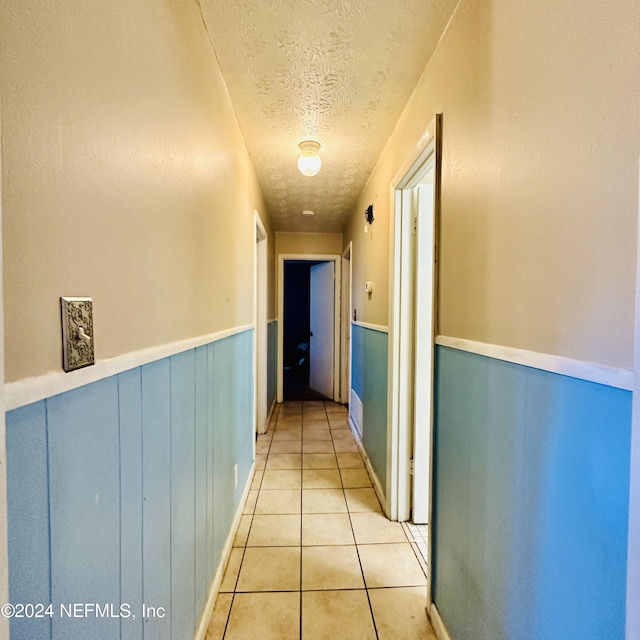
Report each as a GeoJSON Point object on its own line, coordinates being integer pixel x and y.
{"type": "Point", "coordinates": [418, 559]}
{"type": "Point", "coordinates": [364, 580]}
{"type": "Point", "coordinates": [300, 565]}
{"type": "Point", "coordinates": [373, 618]}
{"type": "Point", "coordinates": [226, 624]}
{"type": "Point", "coordinates": [235, 584]}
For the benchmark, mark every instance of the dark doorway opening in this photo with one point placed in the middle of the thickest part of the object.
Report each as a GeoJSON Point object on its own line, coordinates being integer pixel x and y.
{"type": "Point", "coordinates": [296, 331]}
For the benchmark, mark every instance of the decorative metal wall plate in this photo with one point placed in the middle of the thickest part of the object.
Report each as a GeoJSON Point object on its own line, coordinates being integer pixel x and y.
{"type": "Point", "coordinates": [77, 333]}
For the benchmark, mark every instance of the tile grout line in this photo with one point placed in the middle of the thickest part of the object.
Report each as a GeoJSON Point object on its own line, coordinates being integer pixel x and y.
{"type": "Point", "coordinates": [301, 483]}
{"type": "Point", "coordinates": [252, 514]}
{"type": "Point", "coordinates": [246, 541]}
{"type": "Point", "coordinates": [226, 624]}
{"type": "Point", "coordinates": [364, 580]}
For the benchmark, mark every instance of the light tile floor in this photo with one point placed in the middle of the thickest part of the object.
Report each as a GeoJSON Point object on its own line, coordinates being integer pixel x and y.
{"type": "Point", "coordinates": [314, 557]}
{"type": "Point", "coordinates": [417, 533]}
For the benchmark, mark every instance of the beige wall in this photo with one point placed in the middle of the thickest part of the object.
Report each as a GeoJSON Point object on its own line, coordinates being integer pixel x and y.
{"type": "Point", "coordinates": [4, 546]}
{"type": "Point", "coordinates": [540, 177]}
{"type": "Point", "coordinates": [125, 178]}
{"type": "Point", "coordinates": [309, 243]}
{"type": "Point", "coordinates": [370, 252]}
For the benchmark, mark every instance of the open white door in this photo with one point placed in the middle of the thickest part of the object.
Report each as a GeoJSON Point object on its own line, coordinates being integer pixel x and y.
{"type": "Point", "coordinates": [413, 329]}
{"type": "Point", "coordinates": [424, 300]}
{"type": "Point", "coordinates": [322, 316]}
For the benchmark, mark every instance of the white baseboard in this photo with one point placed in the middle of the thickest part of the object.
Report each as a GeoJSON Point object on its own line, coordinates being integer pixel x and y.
{"type": "Point", "coordinates": [214, 589]}
{"type": "Point", "coordinates": [377, 486]}
{"type": "Point", "coordinates": [265, 427]}
{"type": "Point", "coordinates": [437, 623]}
{"type": "Point", "coordinates": [356, 412]}
{"type": "Point", "coordinates": [270, 415]}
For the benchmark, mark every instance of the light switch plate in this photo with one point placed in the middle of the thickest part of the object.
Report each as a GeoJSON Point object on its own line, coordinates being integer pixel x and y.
{"type": "Point", "coordinates": [77, 333]}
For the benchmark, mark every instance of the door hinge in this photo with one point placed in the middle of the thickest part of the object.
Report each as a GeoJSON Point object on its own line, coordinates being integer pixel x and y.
{"type": "Point", "coordinates": [415, 225]}
{"type": "Point", "coordinates": [411, 467]}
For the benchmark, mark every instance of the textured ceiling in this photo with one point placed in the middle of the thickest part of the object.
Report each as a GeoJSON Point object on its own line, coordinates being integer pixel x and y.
{"type": "Point", "coordinates": [336, 71]}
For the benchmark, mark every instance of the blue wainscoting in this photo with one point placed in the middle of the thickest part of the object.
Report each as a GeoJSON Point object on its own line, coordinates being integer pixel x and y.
{"type": "Point", "coordinates": [121, 493]}
{"type": "Point", "coordinates": [530, 502]}
{"type": "Point", "coordinates": [272, 362]}
{"type": "Point", "coordinates": [369, 353]}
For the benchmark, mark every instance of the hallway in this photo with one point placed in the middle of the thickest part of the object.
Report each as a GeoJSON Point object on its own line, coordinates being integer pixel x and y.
{"type": "Point", "coordinates": [476, 166]}
{"type": "Point", "coordinates": [313, 556]}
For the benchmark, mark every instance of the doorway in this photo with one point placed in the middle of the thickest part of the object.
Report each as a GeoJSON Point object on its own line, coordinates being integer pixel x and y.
{"type": "Point", "coordinates": [308, 330]}
{"type": "Point", "coordinates": [345, 315]}
{"type": "Point", "coordinates": [413, 329]}
{"type": "Point", "coordinates": [309, 327]}
{"type": "Point", "coordinates": [260, 323]}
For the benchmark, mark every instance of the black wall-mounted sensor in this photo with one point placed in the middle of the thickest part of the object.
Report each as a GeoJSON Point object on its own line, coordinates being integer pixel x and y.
{"type": "Point", "coordinates": [368, 214]}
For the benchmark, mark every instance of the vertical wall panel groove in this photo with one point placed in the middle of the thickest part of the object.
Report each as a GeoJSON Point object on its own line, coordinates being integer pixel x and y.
{"type": "Point", "coordinates": [211, 514]}
{"type": "Point", "coordinates": [156, 434]}
{"type": "Point", "coordinates": [202, 576]}
{"type": "Point", "coordinates": [182, 492]}
{"type": "Point", "coordinates": [28, 507]}
{"type": "Point", "coordinates": [84, 459]}
{"type": "Point", "coordinates": [222, 389]}
{"type": "Point", "coordinates": [131, 499]}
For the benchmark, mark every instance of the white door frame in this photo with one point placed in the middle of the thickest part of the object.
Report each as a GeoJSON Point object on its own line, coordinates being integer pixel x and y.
{"type": "Point", "coordinates": [282, 258]}
{"type": "Point", "coordinates": [633, 552]}
{"type": "Point", "coordinates": [400, 398]}
{"type": "Point", "coordinates": [399, 443]}
{"type": "Point", "coordinates": [4, 549]}
{"type": "Point", "coordinates": [345, 314]}
{"type": "Point", "coordinates": [260, 324]}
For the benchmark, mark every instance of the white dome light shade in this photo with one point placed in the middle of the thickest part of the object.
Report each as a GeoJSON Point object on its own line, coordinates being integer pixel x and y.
{"type": "Point", "coordinates": [309, 161]}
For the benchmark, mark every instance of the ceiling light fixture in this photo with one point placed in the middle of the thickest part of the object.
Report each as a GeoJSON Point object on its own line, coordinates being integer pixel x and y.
{"type": "Point", "coordinates": [308, 212]}
{"type": "Point", "coordinates": [309, 161]}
